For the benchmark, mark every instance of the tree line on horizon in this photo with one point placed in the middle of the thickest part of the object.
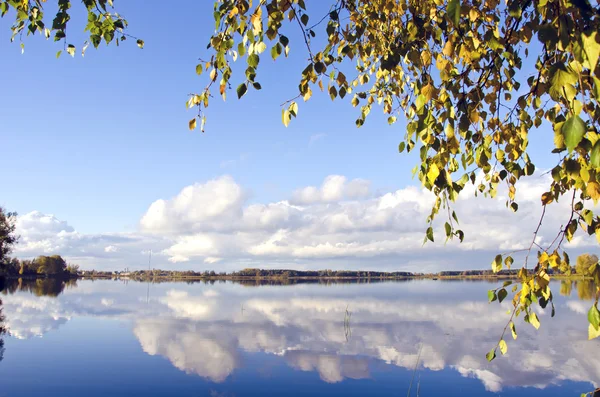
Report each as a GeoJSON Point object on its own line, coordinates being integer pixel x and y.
{"type": "Point", "coordinates": [51, 266]}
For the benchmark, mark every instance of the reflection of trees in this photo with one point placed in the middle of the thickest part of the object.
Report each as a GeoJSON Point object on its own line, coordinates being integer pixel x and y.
{"type": "Point", "coordinates": [566, 287]}
{"type": "Point", "coordinates": [39, 286]}
{"type": "Point", "coordinates": [586, 289]}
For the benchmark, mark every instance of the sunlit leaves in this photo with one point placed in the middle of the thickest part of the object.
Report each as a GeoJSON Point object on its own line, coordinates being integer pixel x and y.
{"type": "Point", "coordinates": [594, 317]}
{"type": "Point", "coordinates": [102, 22]}
{"type": "Point", "coordinates": [573, 130]}
{"type": "Point", "coordinates": [253, 60]}
{"type": "Point", "coordinates": [513, 330]}
{"type": "Point", "coordinates": [497, 264]}
{"type": "Point", "coordinates": [492, 295]}
{"type": "Point", "coordinates": [503, 347]}
{"type": "Point", "coordinates": [192, 124]}
{"type": "Point", "coordinates": [453, 73]}
{"type": "Point", "coordinates": [591, 47]}
{"type": "Point", "coordinates": [534, 320]}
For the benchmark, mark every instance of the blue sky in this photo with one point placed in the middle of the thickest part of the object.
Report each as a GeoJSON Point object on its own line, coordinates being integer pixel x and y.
{"type": "Point", "coordinates": [91, 142]}
{"type": "Point", "coordinates": [109, 131]}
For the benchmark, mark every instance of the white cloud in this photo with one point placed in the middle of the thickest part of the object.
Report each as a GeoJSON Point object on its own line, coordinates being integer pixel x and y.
{"type": "Point", "coordinates": [337, 225]}
{"type": "Point", "coordinates": [198, 206]}
{"type": "Point", "coordinates": [334, 188]}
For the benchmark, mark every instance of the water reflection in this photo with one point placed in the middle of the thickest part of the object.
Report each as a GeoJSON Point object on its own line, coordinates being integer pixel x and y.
{"type": "Point", "coordinates": [211, 330]}
{"type": "Point", "coordinates": [586, 290]}
{"type": "Point", "coordinates": [2, 332]}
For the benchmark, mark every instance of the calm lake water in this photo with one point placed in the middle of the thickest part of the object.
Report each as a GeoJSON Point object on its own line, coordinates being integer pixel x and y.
{"type": "Point", "coordinates": [112, 338]}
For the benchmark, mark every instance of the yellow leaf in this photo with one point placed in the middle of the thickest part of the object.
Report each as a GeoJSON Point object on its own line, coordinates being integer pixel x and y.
{"type": "Point", "coordinates": [503, 346]}
{"type": "Point", "coordinates": [285, 117]}
{"type": "Point", "coordinates": [192, 124]}
{"type": "Point", "coordinates": [428, 92]}
{"type": "Point", "coordinates": [307, 94]}
{"type": "Point", "coordinates": [554, 260]}
{"type": "Point", "coordinates": [593, 332]}
{"type": "Point", "coordinates": [593, 190]}
{"type": "Point", "coordinates": [524, 293]}
{"type": "Point", "coordinates": [543, 280]}
{"type": "Point", "coordinates": [513, 330]}
{"type": "Point", "coordinates": [547, 198]}
{"type": "Point", "coordinates": [433, 173]}
{"type": "Point", "coordinates": [533, 320]}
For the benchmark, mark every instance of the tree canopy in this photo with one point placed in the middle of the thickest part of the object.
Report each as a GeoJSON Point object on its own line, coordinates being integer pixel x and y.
{"type": "Point", "coordinates": [8, 238]}
{"type": "Point", "coordinates": [471, 78]}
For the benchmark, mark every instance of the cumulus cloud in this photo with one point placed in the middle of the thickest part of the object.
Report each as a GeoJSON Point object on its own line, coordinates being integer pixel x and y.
{"type": "Point", "coordinates": [211, 204]}
{"type": "Point", "coordinates": [334, 188]}
{"type": "Point", "coordinates": [340, 224]}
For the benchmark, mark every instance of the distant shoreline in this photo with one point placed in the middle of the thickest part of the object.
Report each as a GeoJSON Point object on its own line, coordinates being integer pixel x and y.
{"type": "Point", "coordinates": [166, 278]}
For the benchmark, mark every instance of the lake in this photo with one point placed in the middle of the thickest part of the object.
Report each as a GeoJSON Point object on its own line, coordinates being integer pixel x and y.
{"type": "Point", "coordinates": [224, 339]}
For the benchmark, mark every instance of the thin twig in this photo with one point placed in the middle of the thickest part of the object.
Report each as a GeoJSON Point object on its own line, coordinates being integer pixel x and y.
{"type": "Point", "coordinates": [415, 371]}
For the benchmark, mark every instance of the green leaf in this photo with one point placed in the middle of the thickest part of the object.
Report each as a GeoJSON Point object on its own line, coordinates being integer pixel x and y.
{"type": "Point", "coordinates": [304, 19]}
{"type": "Point", "coordinates": [492, 296]}
{"type": "Point", "coordinates": [58, 54]}
{"type": "Point", "coordinates": [502, 294]}
{"type": "Point", "coordinates": [497, 263]}
{"type": "Point", "coordinates": [513, 330]}
{"type": "Point", "coordinates": [508, 261]}
{"type": "Point", "coordinates": [594, 317]}
{"type": "Point", "coordinates": [491, 355]}
{"type": "Point", "coordinates": [199, 69]}
{"type": "Point", "coordinates": [276, 51]}
{"type": "Point", "coordinates": [401, 147]}
{"type": "Point", "coordinates": [253, 60]}
{"type": "Point", "coordinates": [592, 50]}
{"type": "Point", "coordinates": [573, 130]}
{"type": "Point", "coordinates": [429, 233]}
{"type": "Point", "coordinates": [454, 11]}
{"type": "Point", "coordinates": [140, 43]}
{"type": "Point", "coordinates": [596, 88]}
{"type": "Point", "coordinates": [503, 346]}
{"type": "Point", "coordinates": [448, 229]}
{"type": "Point", "coordinates": [595, 155]}
{"type": "Point", "coordinates": [241, 90]}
